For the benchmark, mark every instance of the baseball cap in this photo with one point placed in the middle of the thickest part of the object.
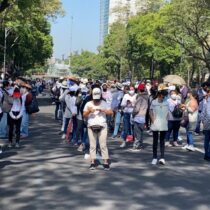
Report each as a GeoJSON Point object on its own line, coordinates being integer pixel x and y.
{"type": "Point", "coordinates": [96, 93]}
{"type": "Point", "coordinates": [141, 87]}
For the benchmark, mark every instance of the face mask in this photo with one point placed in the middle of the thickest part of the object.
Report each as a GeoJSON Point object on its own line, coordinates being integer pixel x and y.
{"type": "Point", "coordinates": [113, 90]}
{"type": "Point", "coordinates": [104, 89]}
{"type": "Point", "coordinates": [131, 92]}
{"type": "Point", "coordinates": [96, 100]}
{"type": "Point", "coordinates": [173, 96]}
{"type": "Point", "coordinates": [23, 90]}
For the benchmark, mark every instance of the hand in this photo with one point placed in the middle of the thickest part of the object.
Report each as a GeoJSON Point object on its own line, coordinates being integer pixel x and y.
{"type": "Point", "coordinates": [91, 110]}
{"type": "Point", "coordinates": [103, 110]}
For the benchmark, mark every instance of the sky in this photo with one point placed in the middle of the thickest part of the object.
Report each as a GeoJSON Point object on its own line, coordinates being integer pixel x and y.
{"type": "Point", "coordinates": [84, 27]}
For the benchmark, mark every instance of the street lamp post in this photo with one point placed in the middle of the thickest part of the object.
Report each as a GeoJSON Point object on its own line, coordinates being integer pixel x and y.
{"type": "Point", "coordinates": [71, 32]}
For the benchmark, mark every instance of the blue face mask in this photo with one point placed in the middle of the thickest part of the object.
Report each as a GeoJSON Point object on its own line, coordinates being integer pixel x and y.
{"type": "Point", "coordinates": [71, 83]}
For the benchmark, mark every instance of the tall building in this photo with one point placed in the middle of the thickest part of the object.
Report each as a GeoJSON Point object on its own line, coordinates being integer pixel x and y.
{"type": "Point", "coordinates": [113, 10]}
{"type": "Point", "coordinates": [104, 19]}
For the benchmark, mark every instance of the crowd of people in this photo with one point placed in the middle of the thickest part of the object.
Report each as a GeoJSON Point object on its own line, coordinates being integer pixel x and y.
{"type": "Point", "coordinates": [90, 111]}
{"type": "Point", "coordinates": [17, 102]}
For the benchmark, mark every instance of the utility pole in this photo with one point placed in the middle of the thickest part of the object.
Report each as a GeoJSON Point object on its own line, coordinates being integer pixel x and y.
{"type": "Point", "coordinates": [71, 37]}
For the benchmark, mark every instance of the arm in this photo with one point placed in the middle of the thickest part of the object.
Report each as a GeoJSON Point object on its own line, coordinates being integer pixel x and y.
{"type": "Point", "coordinates": [152, 117]}
{"type": "Point", "coordinates": [107, 111]}
{"type": "Point", "coordinates": [63, 95]}
{"type": "Point", "coordinates": [87, 112]}
{"type": "Point", "coordinates": [124, 101]}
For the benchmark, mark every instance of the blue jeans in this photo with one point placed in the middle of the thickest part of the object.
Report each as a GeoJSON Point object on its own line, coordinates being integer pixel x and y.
{"type": "Point", "coordinates": [126, 125]}
{"type": "Point", "coordinates": [190, 140]}
{"type": "Point", "coordinates": [198, 125]}
{"type": "Point", "coordinates": [117, 123]}
{"type": "Point", "coordinates": [173, 126]}
{"type": "Point", "coordinates": [3, 126]}
{"type": "Point", "coordinates": [207, 143]}
{"type": "Point", "coordinates": [66, 122]}
{"type": "Point", "coordinates": [24, 124]}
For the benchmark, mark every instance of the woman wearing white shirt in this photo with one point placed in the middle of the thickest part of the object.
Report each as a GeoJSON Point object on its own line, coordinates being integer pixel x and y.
{"type": "Point", "coordinates": [15, 117]}
{"type": "Point", "coordinates": [159, 116]}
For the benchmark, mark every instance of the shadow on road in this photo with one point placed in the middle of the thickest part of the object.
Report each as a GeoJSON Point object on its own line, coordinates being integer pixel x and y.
{"type": "Point", "coordinates": [46, 174]}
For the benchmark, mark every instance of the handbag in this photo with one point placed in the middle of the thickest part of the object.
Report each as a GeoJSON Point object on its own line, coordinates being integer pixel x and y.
{"type": "Point", "coordinates": [96, 128]}
{"type": "Point", "coordinates": [185, 120]}
{"type": "Point", "coordinates": [177, 113]}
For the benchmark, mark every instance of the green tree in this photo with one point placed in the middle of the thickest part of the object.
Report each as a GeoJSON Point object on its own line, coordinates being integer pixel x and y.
{"type": "Point", "coordinates": [29, 42]}
{"type": "Point", "coordinates": [188, 24]}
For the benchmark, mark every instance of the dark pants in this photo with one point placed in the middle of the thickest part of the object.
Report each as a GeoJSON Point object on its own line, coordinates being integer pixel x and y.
{"type": "Point", "coordinates": [80, 130]}
{"type": "Point", "coordinates": [173, 126]}
{"type": "Point", "coordinates": [57, 106]}
{"type": "Point", "coordinates": [156, 136]}
{"type": "Point", "coordinates": [138, 134]}
{"type": "Point", "coordinates": [14, 124]}
{"type": "Point", "coordinates": [207, 143]}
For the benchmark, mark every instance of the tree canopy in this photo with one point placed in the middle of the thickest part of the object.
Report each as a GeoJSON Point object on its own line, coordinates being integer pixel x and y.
{"type": "Point", "coordinates": [27, 25]}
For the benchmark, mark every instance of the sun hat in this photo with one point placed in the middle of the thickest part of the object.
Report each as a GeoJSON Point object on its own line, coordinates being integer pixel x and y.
{"type": "Point", "coordinates": [26, 85]}
{"type": "Point", "coordinates": [64, 84]}
{"type": "Point", "coordinates": [96, 93]}
{"type": "Point", "coordinates": [162, 87]}
{"type": "Point", "coordinates": [119, 86]}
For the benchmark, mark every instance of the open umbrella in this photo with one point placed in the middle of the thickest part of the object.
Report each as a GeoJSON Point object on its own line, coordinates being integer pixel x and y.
{"type": "Point", "coordinates": [174, 79]}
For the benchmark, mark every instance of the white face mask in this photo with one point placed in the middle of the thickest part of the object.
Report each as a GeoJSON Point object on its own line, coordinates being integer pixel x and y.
{"type": "Point", "coordinates": [23, 90]}
{"type": "Point", "coordinates": [131, 92]}
{"type": "Point", "coordinates": [173, 96]}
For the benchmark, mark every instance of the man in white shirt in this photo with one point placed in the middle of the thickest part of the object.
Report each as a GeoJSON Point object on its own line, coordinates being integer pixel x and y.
{"type": "Point", "coordinates": [96, 111]}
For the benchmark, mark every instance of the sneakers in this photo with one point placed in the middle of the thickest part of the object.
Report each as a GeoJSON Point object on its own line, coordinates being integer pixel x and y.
{"type": "Point", "coordinates": [175, 144]}
{"type": "Point", "coordinates": [136, 149]}
{"type": "Point", "coordinates": [106, 167]}
{"type": "Point", "coordinates": [92, 166]}
{"type": "Point", "coordinates": [149, 132]}
{"type": "Point", "coordinates": [191, 148]}
{"type": "Point", "coordinates": [114, 137]}
{"type": "Point", "coordinates": [206, 158]}
{"type": "Point", "coordinates": [168, 144]}
{"type": "Point", "coordinates": [80, 148]}
{"type": "Point", "coordinates": [123, 145]}
{"type": "Point", "coordinates": [162, 161]}
{"type": "Point", "coordinates": [63, 136]}
{"type": "Point", "coordinates": [17, 145]}
{"type": "Point", "coordinates": [154, 161]}
{"type": "Point", "coordinates": [10, 145]}
{"type": "Point", "coordinates": [185, 147]}
{"type": "Point", "coordinates": [180, 138]}
{"type": "Point", "coordinates": [87, 157]}
{"type": "Point", "coordinates": [196, 134]}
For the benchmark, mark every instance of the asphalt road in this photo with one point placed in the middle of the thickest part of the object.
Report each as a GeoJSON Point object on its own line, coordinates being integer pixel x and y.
{"type": "Point", "coordinates": [46, 174]}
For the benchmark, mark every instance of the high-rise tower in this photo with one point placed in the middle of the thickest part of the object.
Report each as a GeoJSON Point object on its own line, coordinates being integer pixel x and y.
{"type": "Point", "coordinates": [104, 19]}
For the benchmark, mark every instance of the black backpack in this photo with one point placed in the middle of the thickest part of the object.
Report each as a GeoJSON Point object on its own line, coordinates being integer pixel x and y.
{"type": "Point", "coordinates": [177, 113]}
{"type": "Point", "coordinates": [33, 107]}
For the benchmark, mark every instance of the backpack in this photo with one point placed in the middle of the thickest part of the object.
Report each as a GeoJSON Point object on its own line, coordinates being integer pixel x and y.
{"type": "Point", "coordinates": [7, 101]}
{"type": "Point", "coordinates": [33, 107]}
{"type": "Point", "coordinates": [177, 113]}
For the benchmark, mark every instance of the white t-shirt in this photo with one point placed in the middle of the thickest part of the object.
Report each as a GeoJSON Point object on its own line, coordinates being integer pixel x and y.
{"type": "Point", "coordinates": [160, 111]}
{"type": "Point", "coordinates": [97, 118]}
